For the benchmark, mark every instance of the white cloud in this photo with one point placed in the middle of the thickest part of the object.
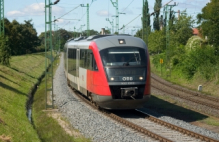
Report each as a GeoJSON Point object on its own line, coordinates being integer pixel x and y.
{"type": "Point", "coordinates": [56, 10]}
{"type": "Point", "coordinates": [61, 21]}
{"type": "Point", "coordinates": [15, 13]}
{"type": "Point", "coordinates": [36, 9]}
{"type": "Point", "coordinates": [103, 13]}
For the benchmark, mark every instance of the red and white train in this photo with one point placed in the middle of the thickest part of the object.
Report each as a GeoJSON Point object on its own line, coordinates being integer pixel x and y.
{"type": "Point", "coordinates": [112, 70]}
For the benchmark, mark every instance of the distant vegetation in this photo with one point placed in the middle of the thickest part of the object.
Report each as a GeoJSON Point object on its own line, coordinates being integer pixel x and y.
{"type": "Point", "coordinates": [21, 38]}
{"type": "Point", "coordinates": [188, 55]}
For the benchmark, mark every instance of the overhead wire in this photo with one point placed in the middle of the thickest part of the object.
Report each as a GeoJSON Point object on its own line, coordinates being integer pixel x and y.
{"type": "Point", "coordinates": [65, 24]}
{"type": "Point", "coordinates": [68, 12]}
{"type": "Point", "coordinates": [130, 21]}
{"type": "Point", "coordinates": [38, 3]}
{"type": "Point", "coordinates": [127, 6]}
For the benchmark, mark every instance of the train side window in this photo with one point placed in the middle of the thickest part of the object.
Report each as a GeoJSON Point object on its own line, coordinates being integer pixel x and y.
{"type": "Point", "coordinates": [72, 61]}
{"type": "Point", "coordinates": [88, 57]}
{"type": "Point", "coordinates": [82, 58]}
{"type": "Point", "coordinates": [87, 60]}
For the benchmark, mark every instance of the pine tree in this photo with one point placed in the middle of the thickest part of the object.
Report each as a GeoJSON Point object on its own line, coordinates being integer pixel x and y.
{"type": "Point", "coordinates": [146, 21]}
{"type": "Point", "coordinates": [146, 16]}
{"type": "Point", "coordinates": [157, 6]}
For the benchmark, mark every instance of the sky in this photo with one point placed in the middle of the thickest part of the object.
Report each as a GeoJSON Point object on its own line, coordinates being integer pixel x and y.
{"type": "Point", "coordinates": [72, 17]}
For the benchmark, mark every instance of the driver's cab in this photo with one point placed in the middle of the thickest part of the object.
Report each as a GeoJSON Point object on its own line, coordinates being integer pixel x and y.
{"type": "Point", "coordinates": [123, 56]}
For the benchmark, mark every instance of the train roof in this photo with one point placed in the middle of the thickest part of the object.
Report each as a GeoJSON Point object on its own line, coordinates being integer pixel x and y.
{"type": "Point", "coordinates": [92, 37]}
{"type": "Point", "coordinates": [106, 41]}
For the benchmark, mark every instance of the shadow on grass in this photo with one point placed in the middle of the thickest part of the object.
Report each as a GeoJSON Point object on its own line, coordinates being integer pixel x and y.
{"type": "Point", "coordinates": [164, 108]}
{"type": "Point", "coordinates": [9, 80]}
{"type": "Point", "coordinates": [12, 89]}
{"type": "Point", "coordinates": [23, 73]}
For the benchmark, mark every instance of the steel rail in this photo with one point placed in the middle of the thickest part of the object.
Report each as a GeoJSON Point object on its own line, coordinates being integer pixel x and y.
{"type": "Point", "coordinates": [181, 96]}
{"type": "Point", "coordinates": [177, 128]}
{"type": "Point", "coordinates": [187, 91]}
{"type": "Point", "coordinates": [151, 118]}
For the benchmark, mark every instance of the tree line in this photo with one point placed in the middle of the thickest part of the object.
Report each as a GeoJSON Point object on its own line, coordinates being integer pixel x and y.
{"type": "Point", "coordinates": [186, 54]}
{"type": "Point", "coordinates": [22, 38]}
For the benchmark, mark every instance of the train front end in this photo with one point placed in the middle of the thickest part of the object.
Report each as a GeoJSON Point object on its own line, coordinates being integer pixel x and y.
{"type": "Point", "coordinates": [126, 64]}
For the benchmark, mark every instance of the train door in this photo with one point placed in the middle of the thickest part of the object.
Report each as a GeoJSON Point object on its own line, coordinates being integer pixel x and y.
{"type": "Point", "coordinates": [77, 67]}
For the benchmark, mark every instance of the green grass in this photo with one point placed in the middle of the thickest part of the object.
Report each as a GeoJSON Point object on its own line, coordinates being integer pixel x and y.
{"type": "Point", "coordinates": [166, 105]}
{"type": "Point", "coordinates": [48, 128]}
{"type": "Point", "coordinates": [211, 121]}
{"type": "Point", "coordinates": [15, 83]}
{"type": "Point", "coordinates": [209, 87]}
{"type": "Point", "coordinates": [173, 108]}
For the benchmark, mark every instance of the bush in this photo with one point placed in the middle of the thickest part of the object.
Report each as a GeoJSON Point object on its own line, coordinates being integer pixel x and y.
{"type": "Point", "coordinates": [156, 59]}
{"type": "Point", "coordinates": [201, 60]}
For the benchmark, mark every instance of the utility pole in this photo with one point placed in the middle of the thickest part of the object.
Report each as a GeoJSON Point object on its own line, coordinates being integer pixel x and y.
{"type": "Point", "coordinates": [142, 20]}
{"type": "Point", "coordinates": [59, 39]}
{"type": "Point", "coordinates": [111, 22]}
{"type": "Point", "coordinates": [88, 23]}
{"type": "Point", "coordinates": [115, 4]}
{"type": "Point", "coordinates": [167, 10]}
{"type": "Point", "coordinates": [54, 34]}
{"type": "Point", "coordinates": [80, 29]}
{"type": "Point", "coordinates": [49, 52]}
{"type": "Point", "coordinates": [2, 25]}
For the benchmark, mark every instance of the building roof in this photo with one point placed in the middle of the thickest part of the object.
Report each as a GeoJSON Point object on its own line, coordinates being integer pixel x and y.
{"type": "Point", "coordinates": [195, 31]}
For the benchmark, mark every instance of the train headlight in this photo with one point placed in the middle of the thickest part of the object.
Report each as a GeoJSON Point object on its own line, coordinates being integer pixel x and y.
{"type": "Point", "coordinates": [141, 78]}
{"type": "Point", "coordinates": [112, 78]}
{"type": "Point", "coordinates": [122, 41]}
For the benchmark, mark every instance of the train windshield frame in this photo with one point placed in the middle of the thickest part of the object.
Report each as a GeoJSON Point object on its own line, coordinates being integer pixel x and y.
{"type": "Point", "coordinates": [123, 56]}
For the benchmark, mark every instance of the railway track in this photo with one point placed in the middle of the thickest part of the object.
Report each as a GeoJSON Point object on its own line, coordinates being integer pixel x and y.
{"type": "Point", "coordinates": [186, 94]}
{"type": "Point", "coordinates": [152, 127]}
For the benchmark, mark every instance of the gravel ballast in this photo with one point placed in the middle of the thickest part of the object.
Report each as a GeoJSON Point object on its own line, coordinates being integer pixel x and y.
{"type": "Point", "coordinates": [92, 124]}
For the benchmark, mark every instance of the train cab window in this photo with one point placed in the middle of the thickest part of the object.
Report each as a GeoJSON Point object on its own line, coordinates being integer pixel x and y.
{"type": "Point", "coordinates": [123, 56]}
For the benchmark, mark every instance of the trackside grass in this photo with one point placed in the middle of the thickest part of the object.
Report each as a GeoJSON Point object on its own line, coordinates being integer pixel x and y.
{"type": "Point", "coordinates": [209, 87]}
{"type": "Point", "coordinates": [49, 129]}
{"type": "Point", "coordinates": [173, 107]}
{"type": "Point", "coordinates": [15, 83]}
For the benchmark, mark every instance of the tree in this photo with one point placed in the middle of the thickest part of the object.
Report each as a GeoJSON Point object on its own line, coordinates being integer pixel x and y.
{"type": "Point", "coordinates": [15, 37]}
{"type": "Point", "coordinates": [157, 7]}
{"type": "Point", "coordinates": [157, 41]}
{"type": "Point", "coordinates": [23, 37]}
{"type": "Point", "coordinates": [30, 38]}
{"type": "Point", "coordinates": [181, 29]}
{"type": "Point", "coordinates": [138, 33]}
{"type": "Point", "coordinates": [209, 20]}
{"type": "Point", "coordinates": [146, 16]}
{"type": "Point", "coordinates": [93, 32]}
{"type": "Point", "coordinates": [146, 22]}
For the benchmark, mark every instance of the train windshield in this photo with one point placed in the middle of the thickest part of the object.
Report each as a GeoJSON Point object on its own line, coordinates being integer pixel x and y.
{"type": "Point", "coordinates": [123, 56]}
